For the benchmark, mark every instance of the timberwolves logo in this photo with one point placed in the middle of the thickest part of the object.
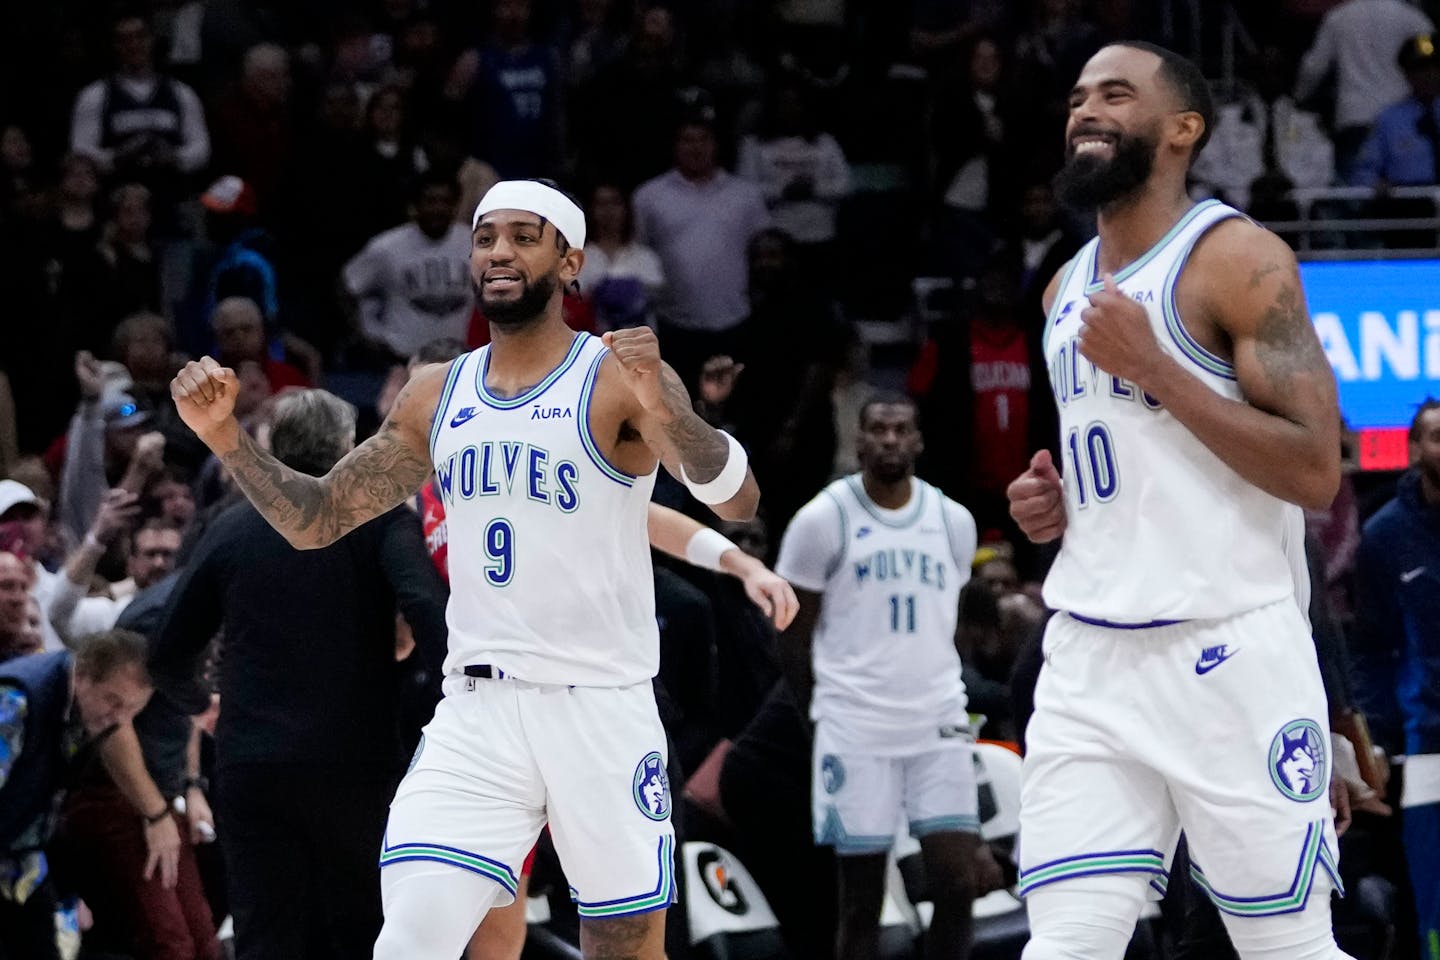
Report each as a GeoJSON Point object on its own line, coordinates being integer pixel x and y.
{"type": "Point", "coordinates": [1298, 762]}
{"type": "Point", "coordinates": [832, 773]}
{"type": "Point", "coordinates": [419, 748]}
{"type": "Point", "coordinates": [652, 787]}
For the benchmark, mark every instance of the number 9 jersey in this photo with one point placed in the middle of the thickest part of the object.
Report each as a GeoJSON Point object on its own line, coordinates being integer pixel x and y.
{"type": "Point", "coordinates": [887, 675]}
{"type": "Point", "coordinates": [550, 578]}
{"type": "Point", "coordinates": [1158, 528]}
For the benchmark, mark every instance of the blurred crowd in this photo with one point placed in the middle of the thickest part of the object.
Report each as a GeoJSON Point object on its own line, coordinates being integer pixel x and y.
{"type": "Point", "coordinates": [807, 198]}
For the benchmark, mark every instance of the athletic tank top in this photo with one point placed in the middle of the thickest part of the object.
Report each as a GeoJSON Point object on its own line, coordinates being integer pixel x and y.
{"type": "Point", "coordinates": [1158, 527]}
{"type": "Point", "coordinates": [548, 553]}
{"type": "Point", "coordinates": [887, 675]}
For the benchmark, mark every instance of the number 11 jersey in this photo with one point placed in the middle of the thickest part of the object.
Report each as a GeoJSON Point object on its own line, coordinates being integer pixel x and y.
{"type": "Point", "coordinates": [1159, 528]}
{"type": "Point", "coordinates": [887, 675]}
{"type": "Point", "coordinates": [549, 558]}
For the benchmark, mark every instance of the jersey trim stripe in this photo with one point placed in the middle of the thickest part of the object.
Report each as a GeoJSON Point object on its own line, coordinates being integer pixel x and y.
{"type": "Point", "coordinates": [839, 560]}
{"type": "Point", "coordinates": [501, 403]}
{"type": "Point", "coordinates": [1112, 625]}
{"type": "Point", "coordinates": [455, 857]}
{"type": "Point", "coordinates": [1315, 852]}
{"type": "Point", "coordinates": [662, 896]}
{"type": "Point", "coordinates": [1092, 865]}
{"type": "Point", "coordinates": [1189, 346]}
{"type": "Point", "coordinates": [1136, 266]}
{"type": "Point", "coordinates": [868, 505]}
{"type": "Point", "coordinates": [582, 424]}
{"type": "Point", "coordinates": [949, 533]}
{"type": "Point", "coordinates": [438, 421]}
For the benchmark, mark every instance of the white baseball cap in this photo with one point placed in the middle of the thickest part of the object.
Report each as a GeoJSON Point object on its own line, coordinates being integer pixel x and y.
{"type": "Point", "coordinates": [13, 493]}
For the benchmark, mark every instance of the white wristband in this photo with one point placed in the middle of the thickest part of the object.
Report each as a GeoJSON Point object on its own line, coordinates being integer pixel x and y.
{"type": "Point", "coordinates": [728, 482]}
{"type": "Point", "coordinates": [706, 548]}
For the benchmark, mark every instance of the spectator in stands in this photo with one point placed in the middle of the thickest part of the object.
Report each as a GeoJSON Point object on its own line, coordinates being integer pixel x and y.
{"type": "Point", "coordinates": [127, 272]}
{"type": "Point", "coordinates": [592, 40]}
{"type": "Point", "coordinates": [412, 283]}
{"type": "Point", "coordinates": [253, 126]}
{"type": "Point", "coordinates": [307, 741]}
{"type": "Point", "coordinates": [15, 604]}
{"type": "Point", "coordinates": [1045, 244]}
{"type": "Point", "coordinates": [973, 131]}
{"type": "Point", "coordinates": [514, 92]}
{"type": "Point", "coordinates": [634, 101]}
{"type": "Point", "coordinates": [240, 336]}
{"type": "Point", "coordinates": [52, 708]}
{"type": "Point", "coordinates": [141, 125]}
{"type": "Point", "coordinates": [1048, 58]}
{"type": "Point", "coordinates": [1395, 652]}
{"type": "Point", "coordinates": [393, 162]}
{"type": "Point", "coordinates": [1404, 145]}
{"type": "Point", "coordinates": [700, 219]}
{"type": "Point", "coordinates": [621, 279]}
{"type": "Point", "coordinates": [801, 170]}
{"type": "Point", "coordinates": [170, 499]}
{"type": "Point", "coordinates": [143, 342]}
{"type": "Point", "coordinates": [17, 168]}
{"type": "Point", "coordinates": [1356, 45]}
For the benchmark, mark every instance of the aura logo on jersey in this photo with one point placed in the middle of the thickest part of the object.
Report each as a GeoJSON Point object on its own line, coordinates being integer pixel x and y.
{"type": "Point", "coordinates": [493, 467]}
{"type": "Point", "coordinates": [651, 787]}
{"type": "Point", "coordinates": [1299, 764]}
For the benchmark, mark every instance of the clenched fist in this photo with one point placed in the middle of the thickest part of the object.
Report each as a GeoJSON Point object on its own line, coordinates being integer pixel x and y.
{"type": "Point", "coordinates": [1037, 500]}
{"type": "Point", "coordinates": [204, 394]}
{"type": "Point", "coordinates": [638, 351]}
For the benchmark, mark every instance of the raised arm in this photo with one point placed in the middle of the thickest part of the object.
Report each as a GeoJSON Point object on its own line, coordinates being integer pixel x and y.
{"type": "Point", "coordinates": [312, 512]}
{"type": "Point", "coordinates": [1284, 436]}
{"type": "Point", "coordinates": [694, 452]}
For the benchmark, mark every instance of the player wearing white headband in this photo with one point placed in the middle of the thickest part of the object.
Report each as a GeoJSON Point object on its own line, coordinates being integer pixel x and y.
{"type": "Point", "coordinates": [545, 446]}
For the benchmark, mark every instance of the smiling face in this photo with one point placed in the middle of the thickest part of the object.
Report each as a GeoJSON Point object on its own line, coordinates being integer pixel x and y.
{"type": "Point", "coordinates": [519, 267]}
{"type": "Point", "coordinates": [1117, 111]}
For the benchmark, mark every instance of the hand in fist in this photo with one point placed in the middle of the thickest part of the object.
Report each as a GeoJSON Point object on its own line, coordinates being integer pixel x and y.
{"type": "Point", "coordinates": [1037, 500]}
{"type": "Point", "coordinates": [204, 393]}
{"type": "Point", "coordinates": [1117, 337]}
{"type": "Point", "coordinates": [638, 351]}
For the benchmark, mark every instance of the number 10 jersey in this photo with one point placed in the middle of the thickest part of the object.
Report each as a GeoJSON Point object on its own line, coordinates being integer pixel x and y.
{"type": "Point", "coordinates": [1159, 528]}
{"type": "Point", "coordinates": [550, 577]}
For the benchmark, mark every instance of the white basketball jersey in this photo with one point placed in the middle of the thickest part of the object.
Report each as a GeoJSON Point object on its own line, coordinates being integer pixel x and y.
{"type": "Point", "coordinates": [887, 675]}
{"type": "Point", "coordinates": [1158, 527]}
{"type": "Point", "coordinates": [550, 575]}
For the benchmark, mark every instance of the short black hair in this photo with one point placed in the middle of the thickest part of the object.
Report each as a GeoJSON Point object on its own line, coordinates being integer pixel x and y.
{"type": "Point", "coordinates": [434, 178]}
{"type": "Point", "coordinates": [1187, 81]}
{"type": "Point", "coordinates": [1430, 403]}
{"type": "Point", "coordinates": [889, 398]}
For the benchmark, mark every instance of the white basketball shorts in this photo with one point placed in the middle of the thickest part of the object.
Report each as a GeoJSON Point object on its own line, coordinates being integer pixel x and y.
{"type": "Point", "coordinates": [1219, 728]}
{"type": "Point", "coordinates": [858, 798]}
{"type": "Point", "coordinates": [501, 757]}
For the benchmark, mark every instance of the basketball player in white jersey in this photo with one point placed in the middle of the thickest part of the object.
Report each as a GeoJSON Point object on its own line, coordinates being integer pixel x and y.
{"type": "Point", "coordinates": [877, 560]}
{"type": "Point", "coordinates": [1180, 687]}
{"type": "Point", "coordinates": [545, 445]}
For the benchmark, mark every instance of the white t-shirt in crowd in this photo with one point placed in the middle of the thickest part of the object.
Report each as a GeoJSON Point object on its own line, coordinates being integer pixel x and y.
{"type": "Point", "coordinates": [413, 289]}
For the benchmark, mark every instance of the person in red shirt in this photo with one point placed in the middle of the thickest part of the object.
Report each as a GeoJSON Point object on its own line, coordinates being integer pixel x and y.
{"type": "Point", "coordinates": [240, 336]}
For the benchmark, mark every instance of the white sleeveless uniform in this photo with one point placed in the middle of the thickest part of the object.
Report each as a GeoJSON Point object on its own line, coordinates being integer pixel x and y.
{"type": "Point", "coordinates": [891, 729]}
{"type": "Point", "coordinates": [552, 603]}
{"type": "Point", "coordinates": [1181, 687]}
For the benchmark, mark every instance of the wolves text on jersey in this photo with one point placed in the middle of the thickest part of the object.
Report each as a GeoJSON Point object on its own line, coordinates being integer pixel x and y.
{"type": "Point", "coordinates": [493, 467]}
{"type": "Point", "coordinates": [1072, 377]}
{"type": "Point", "coordinates": [884, 566]}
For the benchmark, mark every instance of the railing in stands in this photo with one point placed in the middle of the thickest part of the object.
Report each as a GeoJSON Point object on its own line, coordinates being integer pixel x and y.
{"type": "Point", "coordinates": [1340, 223]}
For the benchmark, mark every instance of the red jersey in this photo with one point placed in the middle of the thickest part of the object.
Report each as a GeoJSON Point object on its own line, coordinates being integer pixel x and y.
{"type": "Point", "coordinates": [432, 521]}
{"type": "Point", "coordinates": [1000, 377]}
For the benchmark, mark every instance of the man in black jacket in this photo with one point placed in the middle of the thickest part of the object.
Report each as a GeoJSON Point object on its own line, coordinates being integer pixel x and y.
{"type": "Point", "coordinates": [307, 748]}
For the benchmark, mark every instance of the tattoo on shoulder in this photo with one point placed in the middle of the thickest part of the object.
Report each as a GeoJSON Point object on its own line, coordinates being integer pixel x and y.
{"type": "Point", "coordinates": [1260, 274]}
{"type": "Point", "coordinates": [1286, 344]}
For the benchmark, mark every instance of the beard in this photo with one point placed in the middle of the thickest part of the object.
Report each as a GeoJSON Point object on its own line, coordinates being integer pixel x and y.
{"type": "Point", "coordinates": [1087, 183]}
{"type": "Point", "coordinates": [526, 308]}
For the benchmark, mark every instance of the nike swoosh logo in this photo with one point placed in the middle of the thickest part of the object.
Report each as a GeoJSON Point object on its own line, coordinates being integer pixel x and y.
{"type": "Point", "coordinates": [1203, 666]}
{"type": "Point", "coordinates": [467, 413]}
{"type": "Point", "coordinates": [1409, 575]}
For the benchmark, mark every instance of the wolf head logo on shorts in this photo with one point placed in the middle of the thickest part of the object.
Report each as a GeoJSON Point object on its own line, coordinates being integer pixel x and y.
{"type": "Point", "coordinates": [832, 773]}
{"type": "Point", "coordinates": [652, 787]}
{"type": "Point", "coordinates": [1298, 762]}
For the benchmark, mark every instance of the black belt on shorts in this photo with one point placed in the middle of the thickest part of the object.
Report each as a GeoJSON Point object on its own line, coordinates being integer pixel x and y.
{"type": "Point", "coordinates": [484, 671]}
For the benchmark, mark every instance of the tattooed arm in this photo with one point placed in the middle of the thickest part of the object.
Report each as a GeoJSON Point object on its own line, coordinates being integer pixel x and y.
{"type": "Point", "coordinates": [312, 512]}
{"type": "Point", "coordinates": [668, 423]}
{"type": "Point", "coordinates": [1285, 436]}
